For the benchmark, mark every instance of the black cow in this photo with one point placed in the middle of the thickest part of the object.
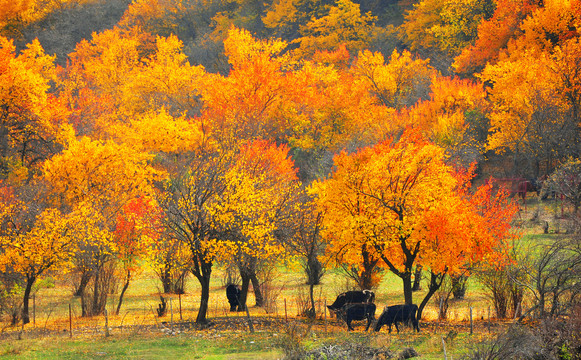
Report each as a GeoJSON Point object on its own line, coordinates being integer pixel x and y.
{"type": "Point", "coordinates": [233, 295]}
{"type": "Point", "coordinates": [398, 313]}
{"type": "Point", "coordinates": [351, 297]}
{"type": "Point", "coordinates": [361, 311]}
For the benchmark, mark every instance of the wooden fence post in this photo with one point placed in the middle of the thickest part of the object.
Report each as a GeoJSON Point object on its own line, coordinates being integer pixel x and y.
{"type": "Point", "coordinates": [70, 322]}
{"type": "Point", "coordinates": [34, 310]}
{"type": "Point", "coordinates": [325, 312]}
{"type": "Point", "coordinates": [180, 301]}
{"type": "Point", "coordinates": [285, 312]}
{"type": "Point", "coordinates": [106, 324]}
{"type": "Point", "coordinates": [170, 314]}
{"type": "Point", "coordinates": [471, 323]}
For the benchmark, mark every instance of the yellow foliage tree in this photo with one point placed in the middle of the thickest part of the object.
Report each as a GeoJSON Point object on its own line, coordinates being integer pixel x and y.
{"type": "Point", "coordinates": [259, 188]}
{"type": "Point", "coordinates": [449, 25]}
{"type": "Point", "coordinates": [530, 114]}
{"type": "Point", "coordinates": [122, 78]}
{"type": "Point", "coordinates": [343, 25]}
{"type": "Point", "coordinates": [392, 200]}
{"type": "Point", "coordinates": [97, 180]}
{"type": "Point", "coordinates": [33, 242]}
{"type": "Point", "coordinates": [398, 83]}
{"type": "Point", "coordinates": [32, 121]}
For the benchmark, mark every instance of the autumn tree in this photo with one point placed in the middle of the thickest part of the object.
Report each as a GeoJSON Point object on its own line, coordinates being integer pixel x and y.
{"type": "Point", "coordinates": [530, 117]}
{"type": "Point", "coordinates": [31, 118]}
{"type": "Point", "coordinates": [97, 179]}
{"type": "Point", "coordinates": [343, 25]}
{"type": "Point", "coordinates": [455, 117]}
{"type": "Point", "coordinates": [34, 239]}
{"type": "Point", "coordinates": [538, 121]}
{"type": "Point", "coordinates": [494, 35]}
{"type": "Point", "coordinates": [171, 263]}
{"type": "Point", "coordinates": [550, 272]}
{"type": "Point", "coordinates": [566, 181]}
{"type": "Point", "coordinates": [122, 83]}
{"type": "Point", "coordinates": [398, 82]}
{"type": "Point", "coordinates": [402, 201]}
{"type": "Point", "coordinates": [261, 184]}
{"type": "Point", "coordinates": [249, 102]}
{"type": "Point", "coordinates": [303, 236]}
{"type": "Point", "coordinates": [190, 201]}
{"type": "Point", "coordinates": [447, 25]}
{"type": "Point", "coordinates": [15, 15]}
{"type": "Point", "coordinates": [284, 18]}
{"type": "Point", "coordinates": [137, 229]}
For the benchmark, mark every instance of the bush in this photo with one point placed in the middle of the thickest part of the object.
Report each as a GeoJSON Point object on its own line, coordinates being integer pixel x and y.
{"type": "Point", "coordinates": [291, 342]}
{"type": "Point", "coordinates": [549, 339]}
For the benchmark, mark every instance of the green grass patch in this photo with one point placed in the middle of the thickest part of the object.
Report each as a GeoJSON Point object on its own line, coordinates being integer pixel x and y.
{"type": "Point", "coordinates": [198, 345]}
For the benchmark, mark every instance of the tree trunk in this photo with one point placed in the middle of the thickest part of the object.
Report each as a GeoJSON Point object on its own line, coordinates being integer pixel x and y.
{"type": "Point", "coordinates": [435, 283]}
{"type": "Point", "coordinates": [417, 278]}
{"type": "Point", "coordinates": [202, 270]}
{"type": "Point", "coordinates": [166, 278]}
{"type": "Point", "coordinates": [313, 270]}
{"type": "Point", "coordinates": [367, 281]}
{"type": "Point", "coordinates": [25, 313]}
{"type": "Point", "coordinates": [406, 277]}
{"type": "Point", "coordinates": [204, 300]}
{"type": "Point", "coordinates": [257, 291]}
{"type": "Point", "coordinates": [85, 278]}
{"type": "Point", "coordinates": [125, 286]}
{"type": "Point", "coordinates": [311, 312]}
{"type": "Point", "coordinates": [95, 309]}
{"type": "Point", "coordinates": [243, 290]}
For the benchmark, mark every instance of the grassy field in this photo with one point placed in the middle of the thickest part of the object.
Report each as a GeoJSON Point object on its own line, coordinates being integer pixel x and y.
{"type": "Point", "coordinates": [137, 333]}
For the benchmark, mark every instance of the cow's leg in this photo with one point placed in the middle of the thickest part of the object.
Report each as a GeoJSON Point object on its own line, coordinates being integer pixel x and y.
{"type": "Point", "coordinates": [390, 328]}
{"type": "Point", "coordinates": [369, 320]}
{"type": "Point", "coordinates": [416, 325]}
{"type": "Point", "coordinates": [349, 327]}
{"type": "Point", "coordinates": [395, 323]}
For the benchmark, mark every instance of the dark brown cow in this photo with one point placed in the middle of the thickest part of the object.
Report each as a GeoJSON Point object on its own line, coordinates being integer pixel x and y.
{"type": "Point", "coordinates": [398, 313]}
{"type": "Point", "coordinates": [351, 297]}
{"type": "Point", "coordinates": [233, 295]}
{"type": "Point", "coordinates": [361, 311]}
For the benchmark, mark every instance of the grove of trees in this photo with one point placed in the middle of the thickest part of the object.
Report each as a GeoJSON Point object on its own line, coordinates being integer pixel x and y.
{"type": "Point", "coordinates": [247, 134]}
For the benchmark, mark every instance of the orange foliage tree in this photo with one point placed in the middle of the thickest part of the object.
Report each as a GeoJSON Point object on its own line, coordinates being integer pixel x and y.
{"type": "Point", "coordinates": [137, 230]}
{"type": "Point", "coordinates": [455, 118]}
{"type": "Point", "coordinates": [249, 102]}
{"type": "Point", "coordinates": [406, 206]}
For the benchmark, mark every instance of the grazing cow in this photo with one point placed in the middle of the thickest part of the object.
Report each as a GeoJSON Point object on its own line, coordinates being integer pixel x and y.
{"type": "Point", "coordinates": [360, 311]}
{"type": "Point", "coordinates": [398, 313]}
{"type": "Point", "coordinates": [233, 295]}
{"type": "Point", "coordinates": [525, 186]}
{"type": "Point", "coordinates": [351, 297]}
